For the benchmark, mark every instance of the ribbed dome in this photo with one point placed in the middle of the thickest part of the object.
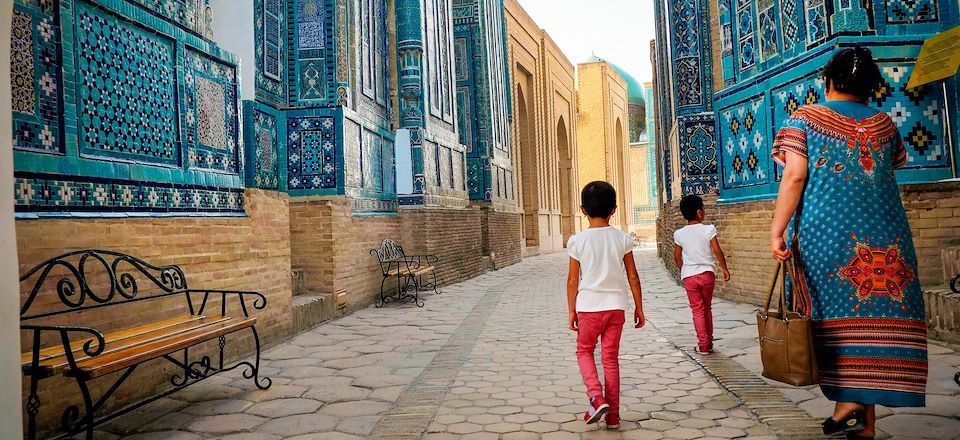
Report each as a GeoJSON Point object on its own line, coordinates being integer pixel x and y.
{"type": "Point", "coordinates": [635, 90]}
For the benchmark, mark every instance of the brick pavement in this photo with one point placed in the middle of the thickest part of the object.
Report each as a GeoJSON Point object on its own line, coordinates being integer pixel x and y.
{"type": "Point", "coordinates": [491, 358]}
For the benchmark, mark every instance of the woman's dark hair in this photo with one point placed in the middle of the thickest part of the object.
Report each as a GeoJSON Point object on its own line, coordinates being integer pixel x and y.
{"type": "Point", "coordinates": [598, 199]}
{"type": "Point", "coordinates": [689, 205]}
{"type": "Point", "coordinates": [853, 71]}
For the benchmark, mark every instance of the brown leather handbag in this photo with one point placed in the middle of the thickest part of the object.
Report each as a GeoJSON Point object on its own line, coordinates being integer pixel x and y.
{"type": "Point", "coordinates": [786, 339]}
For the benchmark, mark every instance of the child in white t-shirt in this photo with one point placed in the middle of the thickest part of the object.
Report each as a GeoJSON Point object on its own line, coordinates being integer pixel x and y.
{"type": "Point", "coordinates": [697, 252]}
{"type": "Point", "coordinates": [601, 273]}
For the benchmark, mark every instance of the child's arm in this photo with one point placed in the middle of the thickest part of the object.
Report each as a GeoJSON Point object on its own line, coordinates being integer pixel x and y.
{"type": "Point", "coordinates": [678, 255]}
{"type": "Point", "coordinates": [715, 245]}
{"type": "Point", "coordinates": [634, 280]}
{"type": "Point", "coordinates": [573, 285]}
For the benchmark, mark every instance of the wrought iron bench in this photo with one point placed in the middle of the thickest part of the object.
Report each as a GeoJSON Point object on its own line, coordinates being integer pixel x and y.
{"type": "Point", "coordinates": [408, 270]}
{"type": "Point", "coordinates": [97, 279]}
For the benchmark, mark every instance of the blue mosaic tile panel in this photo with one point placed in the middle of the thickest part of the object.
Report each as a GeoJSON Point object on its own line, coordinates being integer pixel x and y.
{"type": "Point", "coordinates": [270, 51]}
{"type": "Point", "coordinates": [126, 89]}
{"type": "Point", "coordinates": [190, 14]}
{"type": "Point", "coordinates": [353, 139]}
{"type": "Point", "coordinates": [745, 138]}
{"type": "Point", "coordinates": [746, 42]}
{"type": "Point", "coordinates": [53, 193]}
{"type": "Point", "coordinates": [311, 153]}
{"type": "Point", "coordinates": [918, 114]}
{"type": "Point", "coordinates": [266, 170]}
{"type": "Point", "coordinates": [912, 11]}
{"type": "Point", "coordinates": [725, 15]}
{"type": "Point", "coordinates": [310, 38]}
{"type": "Point", "coordinates": [769, 33]}
{"type": "Point", "coordinates": [689, 44]}
{"type": "Point", "coordinates": [388, 167]}
{"type": "Point", "coordinates": [372, 160]}
{"type": "Point", "coordinates": [815, 14]}
{"type": "Point", "coordinates": [790, 27]}
{"type": "Point", "coordinates": [699, 154]}
{"type": "Point", "coordinates": [787, 99]}
{"type": "Point", "coordinates": [210, 113]}
{"type": "Point", "coordinates": [35, 80]}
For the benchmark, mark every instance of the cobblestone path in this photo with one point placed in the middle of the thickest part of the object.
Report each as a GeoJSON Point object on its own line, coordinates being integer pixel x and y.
{"type": "Point", "coordinates": [492, 358]}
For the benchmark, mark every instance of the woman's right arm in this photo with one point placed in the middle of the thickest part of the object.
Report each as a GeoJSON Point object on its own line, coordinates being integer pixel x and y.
{"type": "Point", "coordinates": [791, 189]}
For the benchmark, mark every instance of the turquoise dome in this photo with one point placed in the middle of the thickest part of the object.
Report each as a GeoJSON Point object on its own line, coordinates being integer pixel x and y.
{"type": "Point", "coordinates": [635, 90]}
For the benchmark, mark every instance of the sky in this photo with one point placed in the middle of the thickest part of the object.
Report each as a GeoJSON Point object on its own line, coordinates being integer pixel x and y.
{"type": "Point", "coordinates": [618, 31]}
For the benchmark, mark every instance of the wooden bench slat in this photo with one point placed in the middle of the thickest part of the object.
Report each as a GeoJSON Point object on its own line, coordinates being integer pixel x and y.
{"type": "Point", "coordinates": [77, 346]}
{"type": "Point", "coordinates": [117, 360]}
{"type": "Point", "coordinates": [59, 364]}
{"type": "Point", "coordinates": [404, 271]}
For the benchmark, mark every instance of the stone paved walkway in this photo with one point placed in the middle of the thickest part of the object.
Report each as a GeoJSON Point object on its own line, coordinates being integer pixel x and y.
{"type": "Point", "coordinates": [491, 358]}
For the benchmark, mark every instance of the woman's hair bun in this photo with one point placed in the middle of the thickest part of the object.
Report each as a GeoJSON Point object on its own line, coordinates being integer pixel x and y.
{"type": "Point", "coordinates": [853, 71]}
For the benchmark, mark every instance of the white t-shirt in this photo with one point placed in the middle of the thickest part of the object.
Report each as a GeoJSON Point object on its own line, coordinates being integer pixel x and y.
{"type": "Point", "coordinates": [697, 255]}
{"type": "Point", "coordinates": [603, 277]}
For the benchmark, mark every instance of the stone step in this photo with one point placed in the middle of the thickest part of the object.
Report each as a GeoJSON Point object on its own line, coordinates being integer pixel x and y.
{"type": "Point", "coordinates": [312, 309]}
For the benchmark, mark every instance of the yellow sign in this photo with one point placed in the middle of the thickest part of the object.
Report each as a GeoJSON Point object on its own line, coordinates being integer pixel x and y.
{"type": "Point", "coordinates": [939, 58]}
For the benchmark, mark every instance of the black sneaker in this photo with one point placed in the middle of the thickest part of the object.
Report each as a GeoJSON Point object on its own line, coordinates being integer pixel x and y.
{"type": "Point", "coordinates": [853, 422]}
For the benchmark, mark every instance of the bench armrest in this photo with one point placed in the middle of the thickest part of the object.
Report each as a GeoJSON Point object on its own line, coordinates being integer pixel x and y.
{"type": "Point", "coordinates": [259, 300]}
{"type": "Point", "coordinates": [92, 347]}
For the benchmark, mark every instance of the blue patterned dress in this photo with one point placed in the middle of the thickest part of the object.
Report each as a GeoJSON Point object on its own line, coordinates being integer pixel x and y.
{"type": "Point", "coordinates": [856, 269]}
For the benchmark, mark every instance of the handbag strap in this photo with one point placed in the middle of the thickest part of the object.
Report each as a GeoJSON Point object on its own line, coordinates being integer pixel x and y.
{"type": "Point", "coordinates": [779, 273]}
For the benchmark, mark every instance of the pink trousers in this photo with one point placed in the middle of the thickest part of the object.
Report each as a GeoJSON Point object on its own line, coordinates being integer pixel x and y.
{"type": "Point", "coordinates": [700, 293]}
{"type": "Point", "coordinates": [608, 326]}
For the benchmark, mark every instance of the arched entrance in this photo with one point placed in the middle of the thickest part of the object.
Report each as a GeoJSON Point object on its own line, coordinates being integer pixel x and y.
{"type": "Point", "coordinates": [565, 172]}
{"type": "Point", "coordinates": [528, 172]}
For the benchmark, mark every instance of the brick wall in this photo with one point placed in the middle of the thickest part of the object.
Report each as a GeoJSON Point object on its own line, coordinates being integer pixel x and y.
{"type": "Point", "coordinates": [244, 253]}
{"type": "Point", "coordinates": [453, 234]}
{"type": "Point", "coordinates": [332, 246]}
{"type": "Point", "coordinates": [502, 237]}
{"type": "Point", "coordinates": [933, 211]}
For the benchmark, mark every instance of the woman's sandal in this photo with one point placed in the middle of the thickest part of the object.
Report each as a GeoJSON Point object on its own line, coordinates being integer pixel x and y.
{"type": "Point", "coordinates": [851, 435]}
{"type": "Point", "coordinates": [853, 422]}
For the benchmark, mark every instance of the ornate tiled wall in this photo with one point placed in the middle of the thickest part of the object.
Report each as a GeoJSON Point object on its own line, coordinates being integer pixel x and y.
{"type": "Point", "coordinates": [119, 109]}
{"type": "Point", "coordinates": [320, 124]}
{"type": "Point", "coordinates": [428, 103]}
{"type": "Point", "coordinates": [483, 98]}
{"type": "Point", "coordinates": [688, 78]}
{"type": "Point", "coordinates": [770, 52]}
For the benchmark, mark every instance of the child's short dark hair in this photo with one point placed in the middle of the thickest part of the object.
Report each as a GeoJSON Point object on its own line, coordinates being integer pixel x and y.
{"type": "Point", "coordinates": [689, 205]}
{"type": "Point", "coordinates": [598, 199]}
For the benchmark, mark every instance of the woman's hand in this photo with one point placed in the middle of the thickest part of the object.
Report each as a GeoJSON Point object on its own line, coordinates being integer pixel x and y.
{"type": "Point", "coordinates": [778, 247]}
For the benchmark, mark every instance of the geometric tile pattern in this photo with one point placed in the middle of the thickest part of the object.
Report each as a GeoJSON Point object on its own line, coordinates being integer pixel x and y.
{"type": "Point", "coordinates": [127, 89]}
{"type": "Point", "coordinates": [22, 64]}
{"type": "Point", "coordinates": [911, 11]}
{"type": "Point", "coordinates": [918, 114]}
{"type": "Point", "coordinates": [769, 33]}
{"type": "Point", "coordinates": [188, 13]}
{"type": "Point", "coordinates": [35, 80]}
{"type": "Point", "coordinates": [311, 153]}
{"type": "Point", "coordinates": [699, 154]}
{"type": "Point", "coordinates": [792, 33]}
{"type": "Point", "coordinates": [689, 62]}
{"type": "Point", "coordinates": [787, 99]}
{"type": "Point", "coordinates": [52, 193]}
{"type": "Point", "coordinates": [209, 113]}
{"type": "Point", "coordinates": [270, 50]}
{"type": "Point", "coordinates": [745, 33]}
{"type": "Point", "coordinates": [816, 17]}
{"type": "Point", "coordinates": [265, 155]}
{"type": "Point", "coordinates": [311, 44]}
{"type": "Point", "coordinates": [745, 156]}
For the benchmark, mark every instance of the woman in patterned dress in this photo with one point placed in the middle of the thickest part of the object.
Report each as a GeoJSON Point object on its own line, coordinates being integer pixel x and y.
{"type": "Point", "coordinates": [854, 264]}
